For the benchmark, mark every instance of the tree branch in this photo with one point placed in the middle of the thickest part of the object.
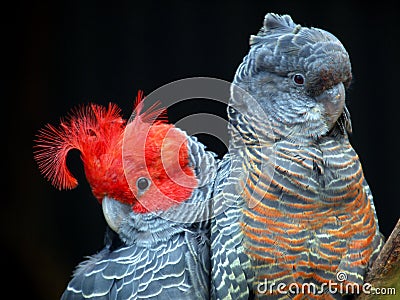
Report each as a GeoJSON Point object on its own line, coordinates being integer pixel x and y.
{"type": "Point", "coordinates": [385, 271]}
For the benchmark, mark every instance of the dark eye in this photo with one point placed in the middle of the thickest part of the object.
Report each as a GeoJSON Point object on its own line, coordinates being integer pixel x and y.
{"type": "Point", "coordinates": [298, 79]}
{"type": "Point", "coordinates": [142, 183]}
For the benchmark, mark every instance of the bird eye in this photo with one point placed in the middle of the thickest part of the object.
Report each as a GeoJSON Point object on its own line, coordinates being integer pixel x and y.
{"type": "Point", "coordinates": [298, 79]}
{"type": "Point", "coordinates": [142, 183]}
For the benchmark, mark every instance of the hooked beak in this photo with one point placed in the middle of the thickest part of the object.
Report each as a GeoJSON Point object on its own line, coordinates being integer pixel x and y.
{"type": "Point", "coordinates": [333, 101]}
{"type": "Point", "coordinates": [114, 212]}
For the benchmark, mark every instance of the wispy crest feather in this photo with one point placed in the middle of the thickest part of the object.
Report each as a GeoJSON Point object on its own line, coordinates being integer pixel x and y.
{"type": "Point", "coordinates": [76, 131]}
{"type": "Point", "coordinates": [154, 113]}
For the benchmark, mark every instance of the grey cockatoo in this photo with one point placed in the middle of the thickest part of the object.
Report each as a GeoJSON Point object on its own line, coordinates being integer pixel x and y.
{"type": "Point", "coordinates": [293, 207]}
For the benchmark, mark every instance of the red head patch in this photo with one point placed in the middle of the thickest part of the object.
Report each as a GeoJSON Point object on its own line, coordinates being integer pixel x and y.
{"type": "Point", "coordinates": [156, 161]}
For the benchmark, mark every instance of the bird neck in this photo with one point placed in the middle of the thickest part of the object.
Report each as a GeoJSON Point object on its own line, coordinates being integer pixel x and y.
{"type": "Point", "coordinates": [148, 229]}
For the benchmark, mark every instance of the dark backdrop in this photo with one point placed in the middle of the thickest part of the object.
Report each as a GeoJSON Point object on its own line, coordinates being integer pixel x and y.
{"type": "Point", "coordinates": [63, 53]}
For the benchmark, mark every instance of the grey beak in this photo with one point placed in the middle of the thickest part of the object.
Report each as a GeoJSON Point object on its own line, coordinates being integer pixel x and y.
{"type": "Point", "coordinates": [114, 212]}
{"type": "Point", "coordinates": [333, 101]}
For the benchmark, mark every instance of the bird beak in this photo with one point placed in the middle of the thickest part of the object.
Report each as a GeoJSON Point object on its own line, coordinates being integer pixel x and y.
{"type": "Point", "coordinates": [333, 101]}
{"type": "Point", "coordinates": [114, 212]}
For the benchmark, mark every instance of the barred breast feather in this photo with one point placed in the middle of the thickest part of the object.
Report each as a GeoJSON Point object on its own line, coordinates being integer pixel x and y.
{"type": "Point", "coordinates": [314, 215]}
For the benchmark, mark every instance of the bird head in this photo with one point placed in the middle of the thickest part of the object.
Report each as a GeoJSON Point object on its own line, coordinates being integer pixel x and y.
{"type": "Point", "coordinates": [295, 77]}
{"type": "Point", "coordinates": [140, 166]}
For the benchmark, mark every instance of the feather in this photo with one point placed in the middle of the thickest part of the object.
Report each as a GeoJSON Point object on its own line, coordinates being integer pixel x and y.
{"type": "Point", "coordinates": [89, 129]}
{"type": "Point", "coordinates": [153, 113]}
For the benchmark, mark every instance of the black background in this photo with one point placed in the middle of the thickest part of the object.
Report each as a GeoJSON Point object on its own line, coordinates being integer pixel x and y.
{"type": "Point", "coordinates": [63, 53]}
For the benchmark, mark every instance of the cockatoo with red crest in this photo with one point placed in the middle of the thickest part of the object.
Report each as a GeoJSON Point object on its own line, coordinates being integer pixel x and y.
{"type": "Point", "coordinates": [154, 183]}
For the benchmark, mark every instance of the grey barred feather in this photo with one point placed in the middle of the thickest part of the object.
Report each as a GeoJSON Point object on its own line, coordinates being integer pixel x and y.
{"type": "Point", "coordinates": [136, 272]}
{"type": "Point", "coordinates": [230, 265]}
